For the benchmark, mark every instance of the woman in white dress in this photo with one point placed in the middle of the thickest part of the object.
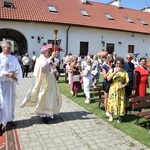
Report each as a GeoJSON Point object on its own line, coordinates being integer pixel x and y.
{"type": "Point", "coordinates": [87, 80]}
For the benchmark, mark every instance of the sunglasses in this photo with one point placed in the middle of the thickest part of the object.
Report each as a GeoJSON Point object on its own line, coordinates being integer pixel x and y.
{"type": "Point", "coordinates": [118, 63]}
{"type": "Point", "coordinates": [111, 61]}
{"type": "Point", "coordinates": [128, 57]}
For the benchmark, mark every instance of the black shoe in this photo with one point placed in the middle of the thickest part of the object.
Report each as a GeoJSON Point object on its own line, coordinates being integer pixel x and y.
{"type": "Point", "coordinates": [11, 123]}
{"type": "Point", "coordinates": [1, 127]}
{"type": "Point", "coordinates": [44, 119]}
{"type": "Point", "coordinates": [119, 119]}
{"type": "Point", "coordinates": [128, 110]}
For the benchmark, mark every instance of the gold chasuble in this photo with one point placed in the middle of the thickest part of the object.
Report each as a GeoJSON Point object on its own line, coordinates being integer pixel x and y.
{"type": "Point", "coordinates": [44, 92]}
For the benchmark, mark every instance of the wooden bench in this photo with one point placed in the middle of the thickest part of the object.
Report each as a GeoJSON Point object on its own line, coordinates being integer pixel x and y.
{"type": "Point", "coordinates": [98, 92]}
{"type": "Point", "coordinates": [142, 104]}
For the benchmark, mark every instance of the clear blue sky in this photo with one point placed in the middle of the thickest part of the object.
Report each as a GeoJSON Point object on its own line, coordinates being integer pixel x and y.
{"type": "Point", "coordinates": [134, 4]}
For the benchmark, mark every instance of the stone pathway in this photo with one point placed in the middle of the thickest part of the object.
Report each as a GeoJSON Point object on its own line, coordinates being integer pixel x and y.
{"type": "Point", "coordinates": [74, 129]}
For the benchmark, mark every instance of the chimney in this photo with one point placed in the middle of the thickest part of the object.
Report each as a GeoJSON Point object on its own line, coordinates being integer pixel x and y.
{"type": "Point", "coordinates": [115, 3]}
{"type": "Point", "coordinates": [119, 3]}
{"type": "Point", "coordinates": [83, 1]}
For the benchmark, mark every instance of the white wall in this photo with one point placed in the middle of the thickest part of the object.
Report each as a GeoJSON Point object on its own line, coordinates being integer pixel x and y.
{"type": "Point", "coordinates": [36, 29]}
{"type": "Point", "coordinates": [79, 34]}
{"type": "Point", "coordinates": [95, 36]}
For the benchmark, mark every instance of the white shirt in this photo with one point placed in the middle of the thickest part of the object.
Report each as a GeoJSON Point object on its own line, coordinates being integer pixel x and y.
{"type": "Point", "coordinates": [56, 61]}
{"type": "Point", "coordinates": [83, 65]}
{"type": "Point", "coordinates": [34, 57]}
{"type": "Point", "coordinates": [87, 78]}
{"type": "Point", "coordinates": [136, 63]}
{"type": "Point", "coordinates": [26, 60]}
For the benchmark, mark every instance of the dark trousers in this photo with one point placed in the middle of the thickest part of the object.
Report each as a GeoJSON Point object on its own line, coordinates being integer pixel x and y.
{"type": "Point", "coordinates": [33, 64]}
{"type": "Point", "coordinates": [25, 70]}
{"type": "Point", "coordinates": [58, 68]}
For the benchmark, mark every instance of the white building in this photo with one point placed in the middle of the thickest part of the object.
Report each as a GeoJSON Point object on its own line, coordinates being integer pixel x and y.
{"type": "Point", "coordinates": [83, 26]}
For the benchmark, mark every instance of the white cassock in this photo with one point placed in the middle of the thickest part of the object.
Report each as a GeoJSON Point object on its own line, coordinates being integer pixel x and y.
{"type": "Point", "coordinates": [7, 87]}
{"type": "Point", "coordinates": [44, 92]}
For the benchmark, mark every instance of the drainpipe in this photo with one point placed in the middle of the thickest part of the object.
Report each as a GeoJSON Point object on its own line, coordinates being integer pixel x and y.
{"type": "Point", "coordinates": [67, 40]}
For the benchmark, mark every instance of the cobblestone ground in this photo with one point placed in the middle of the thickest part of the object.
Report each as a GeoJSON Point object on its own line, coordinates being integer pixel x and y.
{"type": "Point", "coordinates": [74, 129]}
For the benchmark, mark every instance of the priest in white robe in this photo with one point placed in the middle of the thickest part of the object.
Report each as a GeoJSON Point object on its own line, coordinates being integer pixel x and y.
{"type": "Point", "coordinates": [10, 75]}
{"type": "Point", "coordinates": [44, 92]}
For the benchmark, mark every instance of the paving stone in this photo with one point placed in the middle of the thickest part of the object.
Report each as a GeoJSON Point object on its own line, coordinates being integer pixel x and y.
{"type": "Point", "coordinates": [70, 147]}
{"type": "Point", "coordinates": [95, 147]}
{"type": "Point", "coordinates": [25, 145]}
{"type": "Point", "coordinates": [33, 144]}
{"type": "Point", "coordinates": [38, 148]}
{"type": "Point", "coordinates": [28, 148]}
{"type": "Point", "coordinates": [63, 148]}
{"type": "Point", "coordinates": [101, 145]}
{"type": "Point", "coordinates": [57, 140]}
{"type": "Point", "coordinates": [55, 148]}
{"type": "Point", "coordinates": [83, 148]}
{"type": "Point", "coordinates": [69, 142]}
{"type": "Point", "coordinates": [50, 145]}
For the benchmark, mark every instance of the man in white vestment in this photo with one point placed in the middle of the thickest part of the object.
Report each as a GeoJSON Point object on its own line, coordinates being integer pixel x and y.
{"type": "Point", "coordinates": [10, 75]}
{"type": "Point", "coordinates": [44, 92]}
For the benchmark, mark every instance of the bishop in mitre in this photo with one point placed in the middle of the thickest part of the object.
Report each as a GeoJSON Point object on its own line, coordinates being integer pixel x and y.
{"type": "Point", "coordinates": [44, 92]}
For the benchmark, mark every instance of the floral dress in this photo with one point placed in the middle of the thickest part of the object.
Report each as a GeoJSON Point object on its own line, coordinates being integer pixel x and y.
{"type": "Point", "coordinates": [116, 98]}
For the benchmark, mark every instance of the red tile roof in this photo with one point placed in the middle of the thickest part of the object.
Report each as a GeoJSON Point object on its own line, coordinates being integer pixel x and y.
{"type": "Point", "coordinates": [69, 13]}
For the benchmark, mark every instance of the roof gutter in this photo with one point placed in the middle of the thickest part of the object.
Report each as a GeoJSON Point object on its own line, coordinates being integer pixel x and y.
{"type": "Point", "coordinates": [67, 39]}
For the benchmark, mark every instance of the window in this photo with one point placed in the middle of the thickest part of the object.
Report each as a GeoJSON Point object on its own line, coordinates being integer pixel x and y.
{"type": "Point", "coordinates": [52, 9]}
{"type": "Point", "coordinates": [109, 16]}
{"type": "Point", "coordinates": [84, 13]}
{"type": "Point", "coordinates": [8, 3]}
{"type": "Point", "coordinates": [143, 22]}
{"type": "Point", "coordinates": [52, 42]}
{"type": "Point", "coordinates": [129, 20]}
{"type": "Point", "coordinates": [130, 48]}
{"type": "Point", "coordinates": [110, 48]}
{"type": "Point", "coordinates": [83, 49]}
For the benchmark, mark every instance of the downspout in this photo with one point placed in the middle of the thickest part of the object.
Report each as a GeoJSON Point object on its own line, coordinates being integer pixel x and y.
{"type": "Point", "coordinates": [67, 40]}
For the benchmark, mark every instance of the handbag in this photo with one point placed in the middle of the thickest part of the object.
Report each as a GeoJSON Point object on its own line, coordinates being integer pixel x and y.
{"type": "Point", "coordinates": [76, 78]}
{"type": "Point", "coordinates": [94, 72]}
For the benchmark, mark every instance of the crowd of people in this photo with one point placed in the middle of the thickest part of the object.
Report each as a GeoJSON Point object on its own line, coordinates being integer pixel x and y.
{"type": "Point", "coordinates": [87, 70]}
{"type": "Point", "coordinates": [121, 78]}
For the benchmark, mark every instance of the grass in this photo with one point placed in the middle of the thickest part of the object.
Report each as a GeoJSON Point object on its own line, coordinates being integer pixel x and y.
{"type": "Point", "coordinates": [137, 132]}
